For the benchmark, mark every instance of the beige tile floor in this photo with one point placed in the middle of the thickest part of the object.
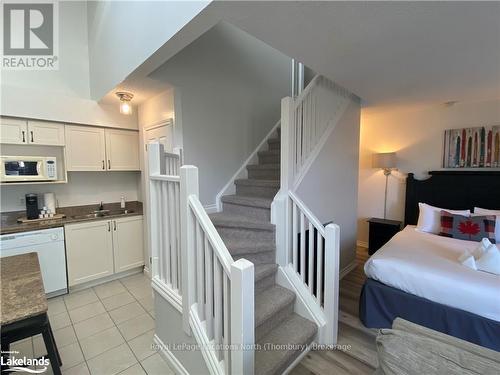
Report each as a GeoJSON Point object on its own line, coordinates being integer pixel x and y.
{"type": "Point", "coordinates": [104, 330]}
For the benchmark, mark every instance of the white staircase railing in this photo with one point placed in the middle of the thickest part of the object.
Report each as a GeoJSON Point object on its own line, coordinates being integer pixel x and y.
{"type": "Point", "coordinates": [310, 117]}
{"type": "Point", "coordinates": [218, 300]}
{"type": "Point", "coordinates": [307, 251]}
{"type": "Point", "coordinates": [164, 222]}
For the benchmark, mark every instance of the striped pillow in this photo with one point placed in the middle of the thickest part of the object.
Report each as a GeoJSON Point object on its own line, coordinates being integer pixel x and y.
{"type": "Point", "coordinates": [470, 228]}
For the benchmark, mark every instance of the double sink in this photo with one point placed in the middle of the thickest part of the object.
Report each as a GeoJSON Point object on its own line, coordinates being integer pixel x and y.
{"type": "Point", "coordinates": [103, 213]}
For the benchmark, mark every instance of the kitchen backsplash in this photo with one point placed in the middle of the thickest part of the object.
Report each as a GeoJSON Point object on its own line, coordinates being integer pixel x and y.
{"type": "Point", "coordinates": [83, 188]}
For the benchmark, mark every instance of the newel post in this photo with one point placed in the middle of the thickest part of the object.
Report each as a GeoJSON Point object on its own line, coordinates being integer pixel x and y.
{"type": "Point", "coordinates": [242, 317]}
{"type": "Point", "coordinates": [332, 264]}
{"type": "Point", "coordinates": [154, 154]}
{"type": "Point", "coordinates": [287, 138]}
{"type": "Point", "coordinates": [282, 215]}
{"type": "Point", "coordinates": [189, 187]}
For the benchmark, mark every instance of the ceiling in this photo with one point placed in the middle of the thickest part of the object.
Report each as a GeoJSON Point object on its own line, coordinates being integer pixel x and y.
{"type": "Point", "coordinates": [389, 54]}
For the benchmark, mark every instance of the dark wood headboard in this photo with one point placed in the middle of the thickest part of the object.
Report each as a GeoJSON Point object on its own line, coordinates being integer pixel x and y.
{"type": "Point", "coordinates": [456, 190]}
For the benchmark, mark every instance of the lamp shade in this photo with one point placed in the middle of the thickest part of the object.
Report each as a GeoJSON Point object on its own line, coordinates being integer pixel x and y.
{"type": "Point", "coordinates": [385, 160]}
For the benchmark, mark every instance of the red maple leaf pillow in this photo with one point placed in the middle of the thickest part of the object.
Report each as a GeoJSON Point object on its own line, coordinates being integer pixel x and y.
{"type": "Point", "coordinates": [471, 228]}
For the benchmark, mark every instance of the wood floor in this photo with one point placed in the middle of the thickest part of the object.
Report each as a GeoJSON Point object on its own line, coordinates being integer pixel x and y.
{"type": "Point", "coordinates": [359, 355]}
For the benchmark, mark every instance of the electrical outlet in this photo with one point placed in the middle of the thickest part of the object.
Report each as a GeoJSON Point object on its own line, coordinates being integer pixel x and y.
{"type": "Point", "coordinates": [22, 201]}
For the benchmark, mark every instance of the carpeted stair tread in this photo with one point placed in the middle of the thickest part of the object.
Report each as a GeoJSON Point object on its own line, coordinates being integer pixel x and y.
{"type": "Point", "coordinates": [258, 183]}
{"type": "Point", "coordinates": [262, 271]}
{"type": "Point", "coordinates": [263, 167]}
{"type": "Point", "coordinates": [269, 153]}
{"type": "Point", "coordinates": [223, 219]}
{"type": "Point", "coordinates": [247, 201]}
{"type": "Point", "coordinates": [246, 246]}
{"type": "Point", "coordinates": [295, 330]}
{"type": "Point", "coordinates": [274, 140]}
{"type": "Point", "coordinates": [270, 301]}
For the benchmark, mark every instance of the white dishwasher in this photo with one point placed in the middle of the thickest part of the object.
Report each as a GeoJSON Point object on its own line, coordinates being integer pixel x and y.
{"type": "Point", "coordinates": [49, 244]}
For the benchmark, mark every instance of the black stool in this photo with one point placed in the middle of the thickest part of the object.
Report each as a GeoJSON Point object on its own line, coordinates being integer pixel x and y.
{"type": "Point", "coordinates": [30, 327]}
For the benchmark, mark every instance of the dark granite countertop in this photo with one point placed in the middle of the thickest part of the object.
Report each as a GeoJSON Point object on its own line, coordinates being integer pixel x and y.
{"type": "Point", "coordinates": [23, 295]}
{"type": "Point", "coordinates": [74, 214]}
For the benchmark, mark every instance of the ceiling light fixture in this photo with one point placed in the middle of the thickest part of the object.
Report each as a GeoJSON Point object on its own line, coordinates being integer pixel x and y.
{"type": "Point", "coordinates": [125, 99]}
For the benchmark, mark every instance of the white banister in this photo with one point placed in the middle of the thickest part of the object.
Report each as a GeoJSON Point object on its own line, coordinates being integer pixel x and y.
{"type": "Point", "coordinates": [307, 251]}
{"type": "Point", "coordinates": [218, 293]}
{"type": "Point", "coordinates": [164, 219]}
{"type": "Point", "coordinates": [242, 317]}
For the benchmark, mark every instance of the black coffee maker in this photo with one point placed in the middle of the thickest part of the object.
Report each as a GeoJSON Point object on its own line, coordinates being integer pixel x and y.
{"type": "Point", "coordinates": [31, 206]}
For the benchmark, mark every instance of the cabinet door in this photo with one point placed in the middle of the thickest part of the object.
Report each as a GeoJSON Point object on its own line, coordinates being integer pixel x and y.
{"type": "Point", "coordinates": [13, 131]}
{"type": "Point", "coordinates": [45, 133]}
{"type": "Point", "coordinates": [122, 150]}
{"type": "Point", "coordinates": [89, 251]}
{"type": "Point", "coordinates": [128, 243]}
{"type": "Point", "coordinates": [85, 148]}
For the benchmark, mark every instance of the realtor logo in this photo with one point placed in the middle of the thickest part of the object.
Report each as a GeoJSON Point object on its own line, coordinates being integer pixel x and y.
{"type": "Point", "coordinates": [30, 35]}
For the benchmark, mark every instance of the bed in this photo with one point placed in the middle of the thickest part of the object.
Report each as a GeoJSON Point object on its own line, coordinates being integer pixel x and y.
{"type": "Point", "coordinates": [416, 276]}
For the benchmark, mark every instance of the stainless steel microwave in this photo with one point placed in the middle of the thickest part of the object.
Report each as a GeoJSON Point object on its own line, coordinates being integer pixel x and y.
{"type": "Point", "coordinates": [28, 168]}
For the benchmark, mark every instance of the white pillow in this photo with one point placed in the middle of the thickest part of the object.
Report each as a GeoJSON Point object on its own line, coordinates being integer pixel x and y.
{"type": "Point", "coordinates": [429, 217]}
{"type": "Point", "coordinates": [484, 211]}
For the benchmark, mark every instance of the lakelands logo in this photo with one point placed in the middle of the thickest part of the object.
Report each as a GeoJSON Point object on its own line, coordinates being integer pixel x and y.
{"type": "Point", "coordinates": [23, 364]}
{"type": "Point", "coordinates": [30, 35]}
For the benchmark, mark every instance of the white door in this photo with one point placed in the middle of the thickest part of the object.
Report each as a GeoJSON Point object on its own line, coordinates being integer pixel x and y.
{"type": "Point", "coordinates": [122, 150]}
{"type": "Point", "coordinates": [85, 148]}
{"type": "Point", "coordinates": [159, 134]}
{"type": "Point", "coordinates": [45, 133]}
{"type": "Point", "coordinates": [13, 131]}
{"type": "Point", "coordinates": [89, 251]}
{"type": "Point", "coordinates": [128, 243]}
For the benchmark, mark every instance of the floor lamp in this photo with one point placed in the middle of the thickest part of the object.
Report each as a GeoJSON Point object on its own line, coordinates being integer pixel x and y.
{"type": "Point", "coordinates": [387, 162]}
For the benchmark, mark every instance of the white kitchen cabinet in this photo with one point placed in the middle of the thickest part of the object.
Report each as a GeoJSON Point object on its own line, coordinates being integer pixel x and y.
{"type": "Point", "coordinates": [85, 148]}
{"type": "Point", "coordinates": [122, 150]}
{"type": "Point", "coordinates": [89, 251]}
{"type": "Point", "coordinates": [13, 131]}
{"type": "Point", "coordinates": [97, 249]}
{"type": "Point", "coordinates": [128, 243]}
{"type": "Point", "coordinates": [45, 133]}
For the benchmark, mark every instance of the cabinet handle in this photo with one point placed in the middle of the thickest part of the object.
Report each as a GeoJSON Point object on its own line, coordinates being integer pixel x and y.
{"type": "Point", "coordinates": [114, 223]}
{"type": "Point", "coordinates": [24, 138]}
{"type": "Point", "coordinates": [109, 226]}
{"type": "Point", "coordinates": [109, 164]}
{"type": "Point", "coordinates": [103, 165]}
{"type": "Point", "coordinates": [32, 140]}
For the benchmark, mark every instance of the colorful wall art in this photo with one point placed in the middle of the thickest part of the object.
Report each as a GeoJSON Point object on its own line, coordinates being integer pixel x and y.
{"type": "Point", "coordinates": [472, 147]}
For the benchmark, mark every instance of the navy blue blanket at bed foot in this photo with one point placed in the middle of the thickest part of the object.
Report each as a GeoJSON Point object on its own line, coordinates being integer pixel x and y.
{"type": "Point", "coordinates": [380, 304]}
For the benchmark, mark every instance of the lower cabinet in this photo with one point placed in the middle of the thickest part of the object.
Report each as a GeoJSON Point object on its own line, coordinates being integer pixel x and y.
{"type": "Point", "coordinates": [128, 243]}
{"type": "Point", "coordinates": [96, 249]}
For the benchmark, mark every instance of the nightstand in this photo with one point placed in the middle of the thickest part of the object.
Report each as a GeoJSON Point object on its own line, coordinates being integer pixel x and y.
{"type": "Point", "coordinates": [381, 231]}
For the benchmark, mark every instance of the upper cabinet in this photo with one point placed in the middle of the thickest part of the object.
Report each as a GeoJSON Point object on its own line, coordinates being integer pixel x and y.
{"type": "Point", "coordinates": [16, 131]}
{"type": "Point", "coordinates": [95, 149]}
{"type": "Point", "coordinates": [122, 150]}
{"type": "Point", "coordinates": [13, 131]}
{"type": "Point", "coordinates": [45, 133]}
{"type": "Point", "coordinates": [85, 148]}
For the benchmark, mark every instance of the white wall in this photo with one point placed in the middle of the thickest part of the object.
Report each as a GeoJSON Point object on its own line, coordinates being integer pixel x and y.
{"type": "Point", "coordinates": [228, 88]}
{"type": "Point", "coordinates": [82, 188]}
{"type": "Point", "coordinates": [329, 188]}
{"type": "Point", "coordinates": [63, 94]}
{"type": "Point", "coordinates": [123, 34]}
{"type": "Point", "coordinates": [416, 135]}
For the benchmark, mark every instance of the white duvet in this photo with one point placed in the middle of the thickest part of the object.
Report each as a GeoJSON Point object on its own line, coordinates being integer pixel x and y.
{"type": "Point", "coordinates": [426, 265]}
